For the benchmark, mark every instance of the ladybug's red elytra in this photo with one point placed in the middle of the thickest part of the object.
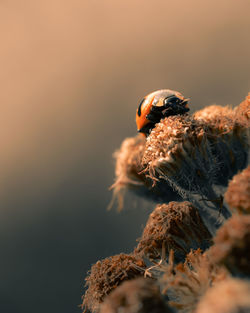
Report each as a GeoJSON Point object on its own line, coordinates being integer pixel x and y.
{"type": "Point", "coordinates": [157, 105]}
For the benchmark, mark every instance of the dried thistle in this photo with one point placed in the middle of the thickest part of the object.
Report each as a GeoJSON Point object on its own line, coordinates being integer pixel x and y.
{"type": "Point", "coordinates": [129, 174]}
{"type": "Point", "coordinates": [231, 247]}
{"type": "Point", "coordinates": [186, 283]}
{"type": "Point", "coordinates": [229, 296]}
{"type": "Point", "coordinates": [176, 226]}
{"type": "Point", "coordinates": [106, 275]}
{"type": "Point", "coordinates": [238, 192]}
{"type": "Point", "coordinates": [141, 295]}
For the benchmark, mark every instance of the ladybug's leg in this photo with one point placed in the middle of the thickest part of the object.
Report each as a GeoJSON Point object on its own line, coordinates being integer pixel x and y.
{"type": "Point", "coordinates": [155, 114]}
{"type": "Point", "coordinates": [153, 117]}
{"type": "Point", "coordinates": [147, 128]}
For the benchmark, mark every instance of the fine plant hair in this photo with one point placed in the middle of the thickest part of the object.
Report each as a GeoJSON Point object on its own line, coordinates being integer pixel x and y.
{"type": "Point", "coordinates": [193, 255]}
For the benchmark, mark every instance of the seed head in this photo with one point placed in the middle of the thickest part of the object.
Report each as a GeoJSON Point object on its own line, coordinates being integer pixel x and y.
{"type": "Point", "coordinates": [141, 295]}
{"type": "Point", "coordinates": [176, 226]}
{"type": "Point", "coordinates": [106, 275]}
{"type": "Point", "coordinates": [238, 192]}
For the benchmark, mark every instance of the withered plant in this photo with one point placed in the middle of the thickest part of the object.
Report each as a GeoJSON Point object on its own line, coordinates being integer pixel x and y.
{"type": "Point", "coordinates": [197, 238]}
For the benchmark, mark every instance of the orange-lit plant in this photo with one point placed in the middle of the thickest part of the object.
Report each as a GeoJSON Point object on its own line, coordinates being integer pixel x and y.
{"type": "Point", "coordinates": [189, 160]}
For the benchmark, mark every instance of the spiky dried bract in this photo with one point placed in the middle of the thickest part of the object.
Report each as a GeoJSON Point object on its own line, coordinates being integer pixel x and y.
{"type": "Point", "coordinates": [238, 192]}
{"type": "Point", "coordinates": [141, 295]}
{"type": "Point", "coordinates": [107, 274]}
{"type": "Point", "coordinates": [176, 226]}
{"type": "Point", "coordinates": [186, 283]}
{"type": "Point", "coordinates": [231, 247]}
{"type": "Point", "coordinates": [229, 296]}
{"type": "Point", "coordinates": [242, 112]}
{"type": "Point", "coordinates": [178, 151]}
{"type": "Point", "coordinates": [129, 173]}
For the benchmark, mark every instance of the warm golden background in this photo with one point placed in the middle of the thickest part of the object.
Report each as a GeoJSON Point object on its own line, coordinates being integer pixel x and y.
{"type": "Point", "coordinates": [71, 75]}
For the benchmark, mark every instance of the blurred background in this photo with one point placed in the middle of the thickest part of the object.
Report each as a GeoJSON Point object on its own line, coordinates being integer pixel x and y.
{"type": "Point", "coordinates": [72, 75]}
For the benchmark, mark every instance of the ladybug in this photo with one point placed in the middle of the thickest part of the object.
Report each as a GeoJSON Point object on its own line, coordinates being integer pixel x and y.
{"type": "Point", "coordinates": [157, 105]}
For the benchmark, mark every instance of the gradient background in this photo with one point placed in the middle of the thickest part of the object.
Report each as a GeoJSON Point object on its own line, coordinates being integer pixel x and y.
{"type": "Point", "coordinates": [72, 74]}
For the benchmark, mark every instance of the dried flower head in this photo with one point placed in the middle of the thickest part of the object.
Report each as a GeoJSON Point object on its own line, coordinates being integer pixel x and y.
{"type": "Point", "coordinates": [229, 296]}
{"type": "Point", "coordinates": [232, 244]}
{"type": "Point", "coordinates": [238, 192]}
{"type": "Point", "coordinates": [176, 226]}
{"type": "Point", "coordinates": [177, 151]}
{"type": "Point", "coordinates": [186, 283]}
{"type": "Point", "coordinates": [129, 174]}
{"type": "Point", "coordinates": [141, 295]}
{"type": "Point", "coordinates": [106, 275]}
{"type": "Point", "coordinates": [180, 150]}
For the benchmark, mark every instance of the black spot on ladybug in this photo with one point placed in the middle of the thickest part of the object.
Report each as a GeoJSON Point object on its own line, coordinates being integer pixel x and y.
{"type": "Point", "coordinates": [139, 108]}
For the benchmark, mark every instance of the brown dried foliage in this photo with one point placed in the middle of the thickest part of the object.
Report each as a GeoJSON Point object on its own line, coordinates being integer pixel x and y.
{"type": "Point", "coordinates": [106, 275]}
{"type": "Point", "coordinates": [187, 154]}
{"type": "Point", "coordinates": [232, 243]}
{"type": "Point", "coordinates": [176, 226]}
{"type": "Point", "coordinates": [141, 295]}
{"type": "Point", "coordinates": [238, 192]}
{"type": "Point", "coordinates": [229, 296]}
